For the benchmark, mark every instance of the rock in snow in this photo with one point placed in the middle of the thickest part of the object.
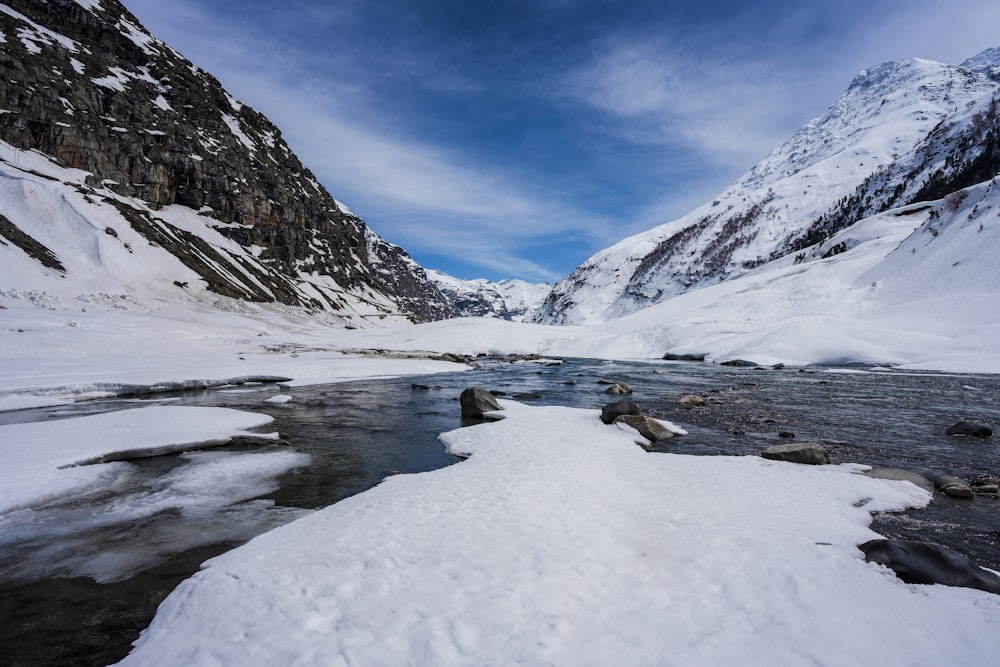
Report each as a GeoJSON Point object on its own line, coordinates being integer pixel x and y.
{"type": "Point", "coordinates": [801, 452]}
{"type": "Point", "coordinates": [924, 563]}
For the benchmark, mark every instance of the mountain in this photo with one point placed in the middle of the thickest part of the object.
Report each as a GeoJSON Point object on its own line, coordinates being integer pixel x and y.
{"type": "Point", "coordinates": [902, 133]}
{"type": "Point", "coordinates": [127, 168]}
{"type": "Point", "coordinates": [508, 299]}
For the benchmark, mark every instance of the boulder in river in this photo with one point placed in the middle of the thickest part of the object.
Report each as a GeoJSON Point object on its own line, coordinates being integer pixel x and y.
{"type": "Point", "coordinates": [649, 428]}
{"type": "Point", "coordinates": [476, 400]}
{"type": "Point", "coordinates": [971, 430]}
{"type": "Point", "coordinates": [925, 563]}
{"type": "Point", "coordinates": [692, 400]}
{"type": "Point", "coordinates": [800, 452]}
{"type": "Point", "coordinates": [739, 363]}
{"type": "Point", "coordinates": [953, 486]}
{"type": "Point", "coordinates": [612, 411]}
{"type": "Point", "coordinates": [618, 388]}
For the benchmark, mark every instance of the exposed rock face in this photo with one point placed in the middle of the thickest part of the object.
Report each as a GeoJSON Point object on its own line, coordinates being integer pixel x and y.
{"type": "Point", "coordinates": [85, 84]}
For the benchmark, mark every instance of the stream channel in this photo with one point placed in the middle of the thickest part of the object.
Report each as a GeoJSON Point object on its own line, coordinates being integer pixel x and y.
{"type": "Point", "coordinates": [80, 578]}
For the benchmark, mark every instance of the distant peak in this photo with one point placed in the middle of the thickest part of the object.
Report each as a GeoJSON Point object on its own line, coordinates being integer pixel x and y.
{"type": "Point", "coordinates": [986, 63]}
{"type": "Point", "coordinates": [988, 58]}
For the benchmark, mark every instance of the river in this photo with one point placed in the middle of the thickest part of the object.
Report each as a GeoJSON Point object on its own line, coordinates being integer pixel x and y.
{"type": "Point", "coordinates": [82, 577]}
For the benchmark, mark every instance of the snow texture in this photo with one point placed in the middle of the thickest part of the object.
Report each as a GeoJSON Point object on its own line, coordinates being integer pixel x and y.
{"type": "Point", "coordinates": [560, 542]}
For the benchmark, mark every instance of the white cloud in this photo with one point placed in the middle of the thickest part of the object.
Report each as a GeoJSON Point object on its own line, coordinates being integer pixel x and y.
{"type": "Point", "coordinates": [733, 112]}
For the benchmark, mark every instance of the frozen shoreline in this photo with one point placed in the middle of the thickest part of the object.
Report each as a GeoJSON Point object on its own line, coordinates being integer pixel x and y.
{"type": "Point", "coordinates": [559, 541]}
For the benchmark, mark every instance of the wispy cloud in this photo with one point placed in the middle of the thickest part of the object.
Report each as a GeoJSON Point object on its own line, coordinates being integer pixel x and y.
{"type": "Point", "coordinates": [730, 111]}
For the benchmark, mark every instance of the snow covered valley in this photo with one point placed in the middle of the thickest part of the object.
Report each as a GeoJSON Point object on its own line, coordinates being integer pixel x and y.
{"type": "Point", "coordinates": [558, 541]}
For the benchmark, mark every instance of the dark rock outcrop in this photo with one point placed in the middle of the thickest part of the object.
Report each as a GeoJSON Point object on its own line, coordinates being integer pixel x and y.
{"type": "Point", "coordinates": [476, 401]}
{"type": "Point", "coordinates": [670, 356]}
{"type": "Point", "coordinates": [970, 429]}
{"type": "Point", "coordinates": [924, 563]}
{"type": "Point", "coordinates": [87, 86]}
{"type": "Point", "coordinates": [739, 363]}
{"type": "Point", "coordinates": [803, 452]}
{"type": "Point", "coordinates": [612, 411]}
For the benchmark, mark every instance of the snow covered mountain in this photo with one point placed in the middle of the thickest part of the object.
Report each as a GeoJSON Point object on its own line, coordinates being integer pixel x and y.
{"type": "Point", "coordinates": [903, 132]}
{"type": "Point", "coordinates": [125, 168]}
{"type": "Point", "coordinates": [509, 299]}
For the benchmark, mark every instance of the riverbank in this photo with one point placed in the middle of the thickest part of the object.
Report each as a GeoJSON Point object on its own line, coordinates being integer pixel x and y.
{"type": "Point", "coordinates": [559, 541]}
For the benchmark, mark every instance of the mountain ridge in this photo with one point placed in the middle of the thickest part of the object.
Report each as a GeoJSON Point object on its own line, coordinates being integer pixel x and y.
{"type": "Point", "coordinates": [86, 85]}
{"type": "Point", "coordinates": [878, 134]}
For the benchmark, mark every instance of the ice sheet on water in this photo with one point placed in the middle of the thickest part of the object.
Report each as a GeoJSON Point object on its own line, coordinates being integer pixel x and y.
{"type": "Point", "coordinates": [134, 525]}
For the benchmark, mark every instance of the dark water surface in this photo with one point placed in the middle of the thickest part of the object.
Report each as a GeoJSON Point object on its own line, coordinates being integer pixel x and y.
{"type": "Point", "coordinates": [82, 577]}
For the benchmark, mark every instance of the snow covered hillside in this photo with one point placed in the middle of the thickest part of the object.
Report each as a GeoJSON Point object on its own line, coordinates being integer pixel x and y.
{"type": "Point", "coordinates": [508, 299]}
{"type": "Point", "coordinates": [903, 132]}
{"type": "Point", "coordinates": [127, 168]}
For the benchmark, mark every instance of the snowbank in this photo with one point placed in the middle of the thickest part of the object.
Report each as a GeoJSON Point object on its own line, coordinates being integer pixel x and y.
{"type": "Point", "coordinates": [47, 460]}
{"type": "Point", "coordinates": [561, 542]}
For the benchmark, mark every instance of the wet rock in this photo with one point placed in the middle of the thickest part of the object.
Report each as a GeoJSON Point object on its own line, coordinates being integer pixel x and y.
{"type": "Point", "coordinates": [618, 388]}
{"type": "Point", "coordinates": [803, 452]}
{"type": "Point", "coordinates": [953, 486]}
{"type": "Point", "coordinates": [692, 400]}
{"type": "Point", "coordinates": [612, 411]}
{"type": "Point", "coordinates": [740, 363]}
{"type": "Point", "coordinates": [527, 396]}
{"type": "Point", "coordinates": [971, 430]}
{"type": "Point", "coordinates": [649, 428]}
{"type": "Point", "coordinates": [925, 563]}
{"type": "Point", "coordinates": [475, 401]}
{"type": "Point", "coordinates": [785, 434]}
{"type": "Point", "coordinates": [670, 356]}
{"type": "Point", "coordinates": [900, 474]}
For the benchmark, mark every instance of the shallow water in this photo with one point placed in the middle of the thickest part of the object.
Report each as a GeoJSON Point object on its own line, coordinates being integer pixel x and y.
{"type": "Point", "coordinates": [82, 577]}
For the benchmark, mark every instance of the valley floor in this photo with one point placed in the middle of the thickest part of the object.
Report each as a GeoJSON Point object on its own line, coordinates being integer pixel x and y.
{"type": "Point", "coordinates": [558, 541]}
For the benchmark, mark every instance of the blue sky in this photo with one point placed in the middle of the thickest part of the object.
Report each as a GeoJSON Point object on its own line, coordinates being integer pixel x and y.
{"type": "Point", "coordinates": [516, 138]}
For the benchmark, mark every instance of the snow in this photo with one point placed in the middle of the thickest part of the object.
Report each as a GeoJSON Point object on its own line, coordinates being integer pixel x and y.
{"type": "Point", "coordinates": [561, 542]}
{"type": "Point", "coordinates": [558, 540]}
{"type": "Point", "coordinates": [882, 119]}
{"type": "Point", "coordinates": [234, 127]}
{"type": "Point", "coordinates": [36, 33]}
{"type": "Point", "coordinates": [51, 459]}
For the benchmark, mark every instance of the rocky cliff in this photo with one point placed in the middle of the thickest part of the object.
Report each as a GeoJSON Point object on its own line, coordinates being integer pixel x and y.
{"type": "Point", "coordinates": [87, 86]}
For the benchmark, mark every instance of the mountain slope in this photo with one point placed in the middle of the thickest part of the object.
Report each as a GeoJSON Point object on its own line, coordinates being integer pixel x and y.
{"type": "Point", "coordinates": [884, 143]}
{"type": "Point", "coordinates": [182, 164]}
